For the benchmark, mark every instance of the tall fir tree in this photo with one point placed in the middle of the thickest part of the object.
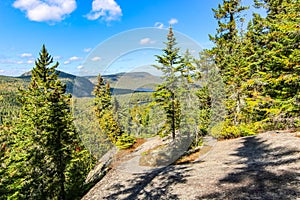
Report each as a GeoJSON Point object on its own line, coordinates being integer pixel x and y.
{"type": "Point", "coordinates": [104, 111]}
{"type": "Point", "coordinates": [275, 60]}
{"type": "Point", "coordinates": [44, 138]}
{"type": "Point", "coordinates": [166, 93]}
{"type": "Point", "coordinates": [228, 54]}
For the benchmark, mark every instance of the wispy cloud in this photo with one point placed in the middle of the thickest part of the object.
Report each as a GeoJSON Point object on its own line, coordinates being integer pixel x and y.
{"type": "Point", "coordinates": [57, 57]}
{"type": "Point", "coordinates": [26, 55]}
{"type": "Point", "coordinates": [107, 10]}
{"type": "Point", "coordinates": [173, 21]}
{"type": "Point", "coordinates": [80, 67]}
{"type": "Point", "coordinates": [11, 61]}
{"type": "Point", "coordinates": [30, 61]}
{"type": "Point", "coordinates": [145, 41]}
{"type": "Point", "coordinates": [96, 58]}
{"type": "Point", "coordinates": [72, 59]}
{"type": "Point", "coordinates": [43, 11]}
{"type": "Point", "coordinates": [159, 25]}
{"type": "Point", "coordinates": [86, 50]}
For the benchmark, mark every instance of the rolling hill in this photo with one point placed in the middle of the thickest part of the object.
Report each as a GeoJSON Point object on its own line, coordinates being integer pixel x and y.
{"type": "Point", "coordinates": [121, 83]}
{"type": "Point", "coordinates": [77, 86]}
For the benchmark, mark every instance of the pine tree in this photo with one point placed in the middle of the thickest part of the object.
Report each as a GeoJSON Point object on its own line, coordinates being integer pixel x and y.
{"type": "Point", "coordinates": [104, 113]}
{"type": "Point", "coordinates": [44, 137]}
{"type": "Point", "coordinates": [275, 60]}
{"type": "Point", "coordinates": [165, 94]}
{"type": "Point", "coordinates": [228, 54]}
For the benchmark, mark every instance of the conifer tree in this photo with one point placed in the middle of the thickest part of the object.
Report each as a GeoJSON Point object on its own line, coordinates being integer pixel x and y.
{"type": "Point", "coordinates": [105, 113]}
{"type": "Point", "coordinates": [44, 137]}
{"type": "Point", "coordinates": [104, 110]}
{"type": "Point", "coordinates": [274, 60]}
{"type": "Point", "coordinates": [228, 54]}
{"type": "Point", "coordinates": [166, 93]}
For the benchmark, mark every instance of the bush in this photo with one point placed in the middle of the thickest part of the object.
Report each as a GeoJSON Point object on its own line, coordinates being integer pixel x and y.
{"type": "Point", "coordinates": [125, 141]}
{"type": "Point", "coordinates": [226, 130]}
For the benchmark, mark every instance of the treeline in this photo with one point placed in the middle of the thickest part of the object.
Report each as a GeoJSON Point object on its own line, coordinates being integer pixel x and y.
{"type": "Point", "coordinates": [260, 66]}
{"type": "Point", "coordinates": [9, 99]}
{"type": "Point", "coordinates": [249, 79]}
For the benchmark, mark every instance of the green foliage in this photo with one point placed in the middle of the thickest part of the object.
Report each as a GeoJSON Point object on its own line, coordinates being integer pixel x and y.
{"type": "Point", "coordinates": [178, 76]}
{"type": "Point", "coordinates": [260, 67]}
{"type": "Point", "coordinates": [125, 141]}
{"type": "Point", "coordinates": [104, 112]}
{"type": "Point", "coordinates": [80, 165]}
{"type": "Point", "coordinates": [9, 105]}
{"type": "Point", "coordinates": [42, 140]}
{"type": "Point", "coordinates": [205, 109]}
{"type": "Point", "coordinates": [227, 130]}
{"type": "Point", "coordinates": [166, 94]}
{"type": "Point", "coordinates": [88, 127]}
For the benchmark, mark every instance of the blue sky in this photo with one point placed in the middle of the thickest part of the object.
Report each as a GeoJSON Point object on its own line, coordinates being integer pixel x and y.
{"type": "Point", "coordinates": [73, 29]}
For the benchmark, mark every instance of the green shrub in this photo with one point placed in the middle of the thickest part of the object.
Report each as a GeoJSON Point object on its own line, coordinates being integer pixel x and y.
{"type": "Point", "coordinates": [226, 130]}
{"type": "Point", "coordinates": [125, 141]}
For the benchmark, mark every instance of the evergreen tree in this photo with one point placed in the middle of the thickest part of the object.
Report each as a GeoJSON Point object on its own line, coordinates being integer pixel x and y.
{"type": "Point", "coordinates": [274, 54]}
{"type": "Point", "coordinates": [44, 137]}
{"type": "Point", "coordinates": [104, 112]}
{"type": "Point", "coordinates": [228, 54]}
{"type": "Point", "coordinates": [165, 95]}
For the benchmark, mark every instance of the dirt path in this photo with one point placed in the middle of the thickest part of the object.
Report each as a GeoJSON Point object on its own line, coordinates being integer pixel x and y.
{"type": "Point", "coordinates": [266, 166]}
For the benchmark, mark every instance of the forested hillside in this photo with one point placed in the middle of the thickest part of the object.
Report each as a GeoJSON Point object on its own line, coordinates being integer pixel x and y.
{"type": "Point", "coordinates": [54, 126]}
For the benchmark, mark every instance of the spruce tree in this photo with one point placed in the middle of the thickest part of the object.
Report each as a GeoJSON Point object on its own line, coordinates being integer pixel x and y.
{"type": "Point", "coordinates": [275, 62]}
{"type": "Point", "coordinates": [166, 93]}
{"type": "Point", "coordinates": [104, 111]}
{"type": "Point", "coordinates": [228, 54]}
{"type": "Point", "coordinates": [44, 137]}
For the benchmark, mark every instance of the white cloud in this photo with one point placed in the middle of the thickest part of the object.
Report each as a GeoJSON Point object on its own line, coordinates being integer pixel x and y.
{"type": "Point", "coordinates": [159, 25]}
{"type": "Point", "coordinates": [26, 55]}
{"type": "Point", "coordinates": [173, 21]}
{"type": "Point", "coordinates": [74, 58]}
{"type": "Point", "coordinates": [96, 58]}
{"type": "Point", "coordinates": [108, 10]}
{"type": "Point", "coordinates": [30, 61]}
{"type": "Point", "coordinates": [146, 41]}
{"type": "Point", "coordinates": [80, 67]}
{"type": "Point", "coordinates": [8, 61]}
{"type": "Point", "coordinates": [57, 57]}
{"type": "Point", "coordinates": [71, 59]}
{"type": "Point", "coordinates": [87, 50]}
{"type": "Point", "coordinates": [49, 10]}
{"type": "Point", "coordinates": [20, 62]}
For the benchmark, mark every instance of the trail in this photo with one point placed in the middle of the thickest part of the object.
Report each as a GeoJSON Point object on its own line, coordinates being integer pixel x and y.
{"type": "Point", "coordinates": [266, 166]}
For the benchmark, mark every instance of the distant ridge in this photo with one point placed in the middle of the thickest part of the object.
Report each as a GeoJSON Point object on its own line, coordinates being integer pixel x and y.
{"type": "Point", "coordinates": [121, 83]}
{"type": "Point", "coordinates": [76, 85]}
{"type": "Point", "coordinates": [131, 81]}
{"type": "Point", "coordinates": [61, 75]}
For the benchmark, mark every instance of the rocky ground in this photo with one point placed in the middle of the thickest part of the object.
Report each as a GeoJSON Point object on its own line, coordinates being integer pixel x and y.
{"type": "Point", "coordinates": [266, 166]}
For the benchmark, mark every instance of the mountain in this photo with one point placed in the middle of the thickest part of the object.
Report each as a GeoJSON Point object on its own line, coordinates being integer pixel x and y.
{"type": "Point", "coordinates": [132, 81]}
{"type": "Point", "coordinates": [76, 85]}
{"type": "Point", "coordinates": [121, 83]}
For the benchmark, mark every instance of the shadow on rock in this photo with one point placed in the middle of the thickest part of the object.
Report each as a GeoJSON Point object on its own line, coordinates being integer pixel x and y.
{"type": "Point", "coordinates": [258, 176]}
{"type": "Point", "coordinates": [152, 185]}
